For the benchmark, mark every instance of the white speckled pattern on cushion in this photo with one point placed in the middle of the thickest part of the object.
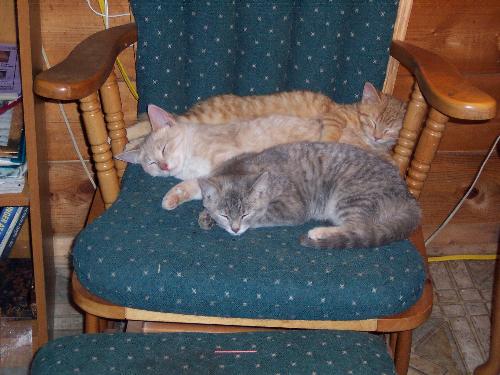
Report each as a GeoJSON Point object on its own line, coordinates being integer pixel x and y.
{"type": "Point", "coordinates": [190, 50]}
{"type": "Point", "coordinates": [277, 352]}
{"type": "Point", "coordinates": [139, 255]}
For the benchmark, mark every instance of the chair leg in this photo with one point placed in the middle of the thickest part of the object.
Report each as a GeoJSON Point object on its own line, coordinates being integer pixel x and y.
{"type": "Point", "coordinates": [103, 324]}
{"type": "Point", "coordinates": [402, 354]}
{"type": "Point", "coordinates": [492, 365]}
{"type": "Point", "coordinates": [393, 339]}
{"type": "Point", "coordinates": [91, 323]}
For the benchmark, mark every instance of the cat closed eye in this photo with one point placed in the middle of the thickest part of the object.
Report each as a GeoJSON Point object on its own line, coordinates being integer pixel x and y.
{"type": "Point", "coordinates": [224, 216]}
{"type": "Point", "coordinates": [244, 216]}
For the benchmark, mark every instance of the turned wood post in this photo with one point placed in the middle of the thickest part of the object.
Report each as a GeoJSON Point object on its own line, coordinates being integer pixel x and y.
{"type": "Point", "coordinates": [402, 352]}
{"type": "Point", "coordinates": [492, 365]}
{"type": "Point", "coordinates": [113, 114]}
{"type": "Point", "coordinates": [414, 118]}
{"type": "Point", "coordinates": [426, 149]}
{"type": "Point", "coordinates": [91, 323]}
{"type": "Point", "coordinates": [98, 137]}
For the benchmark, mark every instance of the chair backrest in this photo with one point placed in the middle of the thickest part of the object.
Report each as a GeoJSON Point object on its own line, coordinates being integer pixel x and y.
{"type": "Point", "coordinates": [190, 50]}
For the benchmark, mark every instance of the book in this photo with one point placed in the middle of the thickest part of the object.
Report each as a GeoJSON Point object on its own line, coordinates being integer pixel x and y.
{"type": "Point", "coordinates": [11, 221]}
{"type": "Point", "coordinates": [18, 158]}
{"type": "Point", "coordinates": [11, 127]}
{"type": "Point", "coordinates": [10, 79]}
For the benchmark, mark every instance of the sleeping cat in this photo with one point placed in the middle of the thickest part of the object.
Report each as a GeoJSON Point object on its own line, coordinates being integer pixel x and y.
{"type": "Point", "coordinates": [188, 150]}
{"type": "Point", "coordinates": [372, 123]}
{"type": "Point", "coordinates": [362, 195]}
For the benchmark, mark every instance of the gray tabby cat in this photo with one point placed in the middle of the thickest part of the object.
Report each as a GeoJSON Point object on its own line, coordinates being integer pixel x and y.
{"type": "Point", "coordinates": [362, 195]}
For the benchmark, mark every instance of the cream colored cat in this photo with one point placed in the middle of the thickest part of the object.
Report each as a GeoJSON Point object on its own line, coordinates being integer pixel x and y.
{"type": "Point", "coordinates": [372, 123]}
{"type": "Point", "coordinates": [188, 150]}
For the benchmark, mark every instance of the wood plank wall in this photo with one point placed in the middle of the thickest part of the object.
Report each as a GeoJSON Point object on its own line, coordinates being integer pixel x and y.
{"type": "Point", "coordinates": [465, 32]}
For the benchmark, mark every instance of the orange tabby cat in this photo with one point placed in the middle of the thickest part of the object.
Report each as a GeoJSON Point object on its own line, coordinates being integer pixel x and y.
{"type": "Point", "coordinates": [372, 123]}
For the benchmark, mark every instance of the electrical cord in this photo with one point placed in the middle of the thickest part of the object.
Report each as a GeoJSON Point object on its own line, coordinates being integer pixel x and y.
{"type": "Point", "coordinates": [461, 202]}
{"type": "Point", "coordinates": [104, 6]}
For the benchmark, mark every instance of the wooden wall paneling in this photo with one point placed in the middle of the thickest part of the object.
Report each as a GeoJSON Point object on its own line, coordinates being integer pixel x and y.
{"type": "Point", "coordinates": [8, 21]}
{"type": "Point", "coordinates": [71, 193]}
{"type": "Point", "coordinates": [476, 226]}
{"type": "Point", "coordinates": [465, 32]}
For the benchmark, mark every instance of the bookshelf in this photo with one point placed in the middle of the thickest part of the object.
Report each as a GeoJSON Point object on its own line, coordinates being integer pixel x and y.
{"type": "Point", "coordinates": [21, 23]}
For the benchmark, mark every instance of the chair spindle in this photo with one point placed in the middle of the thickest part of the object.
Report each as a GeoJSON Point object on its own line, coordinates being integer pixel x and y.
{"type": "Point", "coordinates": [425, 151]}
{"type": "Point", "coordinates": [414, 118]}
{"type": "Point", "coordinates": [113, 114]}
{"type": "Point", "coordinates": [101, 151]}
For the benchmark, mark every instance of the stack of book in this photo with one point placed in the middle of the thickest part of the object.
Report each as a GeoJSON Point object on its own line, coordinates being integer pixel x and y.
{"type": "Point", "coordinates": [12, 146]}
{"type": "Point", "coordinates": [12, 142]}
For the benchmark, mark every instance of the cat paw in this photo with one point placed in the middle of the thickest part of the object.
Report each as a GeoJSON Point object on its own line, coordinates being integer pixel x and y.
{"type": "Point", "coordinates": [205, 220]}
{"type": "Point", "coordinates": [319, 233]}
{"type": "Point", "coordinates": [174, 198]}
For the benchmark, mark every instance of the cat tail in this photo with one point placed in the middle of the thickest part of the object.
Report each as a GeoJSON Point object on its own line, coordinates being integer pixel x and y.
{"type": "Point", "coordinates": [395, 227]}
{"type": "Point", "coordinates": [229, 108]}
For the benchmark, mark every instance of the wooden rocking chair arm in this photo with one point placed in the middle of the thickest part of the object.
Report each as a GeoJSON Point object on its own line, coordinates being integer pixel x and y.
{"type": "Point", "coordinates": [87, 66]}
{"type": "Point", "coordinates": [442, 85]}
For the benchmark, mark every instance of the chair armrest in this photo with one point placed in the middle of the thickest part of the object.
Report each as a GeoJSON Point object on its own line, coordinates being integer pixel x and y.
{"type": "Point", "coordinates": [442, 85]}
{"type": "Point", "coordinates": [87, 67]}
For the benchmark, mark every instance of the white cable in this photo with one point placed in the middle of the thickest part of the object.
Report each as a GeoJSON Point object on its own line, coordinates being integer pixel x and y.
{"type": "Point", "coordinates": [104, 15]}
{"type": "Point", "coordinates": [106, 12]}
{"type": "Point", "coordinates": [70, 131]}
{"type": "Point", "coordinates": [460, 203]}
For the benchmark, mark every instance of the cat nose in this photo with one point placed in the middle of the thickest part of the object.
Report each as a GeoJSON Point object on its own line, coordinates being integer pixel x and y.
{"type": "Point", "coordinates": [235, 228]}
{"type": "Point", "coordinates": [164, 167]}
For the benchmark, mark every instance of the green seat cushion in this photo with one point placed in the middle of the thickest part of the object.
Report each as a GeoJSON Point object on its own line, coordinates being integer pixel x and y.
{"type": "Point", "coordinates": [190, 50]}
{"type": "Point", "coordinates": [277, 352]}
{"type": "Point", "coordinates": [139, 255]}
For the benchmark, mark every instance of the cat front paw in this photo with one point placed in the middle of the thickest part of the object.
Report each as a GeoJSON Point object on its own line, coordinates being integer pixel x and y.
{"type": "Point", "coordinates": [318, 233]}
{"type": "Point", "coordinates": [174, 198]}
{"type": "Point", "coordinates": [205, 220]}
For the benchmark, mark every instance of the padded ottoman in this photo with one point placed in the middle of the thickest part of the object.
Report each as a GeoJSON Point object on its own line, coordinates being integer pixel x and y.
{"type": "Point", "coordinates": [273, 352]}
{"type": "Point", "coordinates": [139, 255]}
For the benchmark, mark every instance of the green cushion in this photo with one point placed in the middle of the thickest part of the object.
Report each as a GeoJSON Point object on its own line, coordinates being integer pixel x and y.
{"type": "Point", "coordinates": [277, 352]}
{"type": "Point", "coordinates": [190, 50]}
{"type": "Point", "coordinates": [139, 255]}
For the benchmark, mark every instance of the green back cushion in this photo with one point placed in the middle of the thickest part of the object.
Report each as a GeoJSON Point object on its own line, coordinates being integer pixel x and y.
{"type": "Point", "coordinates": [277, 352]}
{"type": "Point", "coordinates": [190, 50]}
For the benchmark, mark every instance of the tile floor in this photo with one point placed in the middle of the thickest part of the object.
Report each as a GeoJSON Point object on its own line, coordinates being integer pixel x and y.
{"type": "Point", "coordinates": [454, 340]}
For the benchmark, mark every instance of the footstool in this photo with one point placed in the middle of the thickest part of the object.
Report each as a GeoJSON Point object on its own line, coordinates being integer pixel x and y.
{"type": "Point", "coordinates": [269, 352]}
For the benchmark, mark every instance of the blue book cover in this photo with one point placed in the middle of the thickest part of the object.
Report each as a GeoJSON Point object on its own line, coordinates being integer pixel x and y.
{"type": "Point", "coordinates": [6, 217]}
{"type": "Point", "coordinates": [11, 221]}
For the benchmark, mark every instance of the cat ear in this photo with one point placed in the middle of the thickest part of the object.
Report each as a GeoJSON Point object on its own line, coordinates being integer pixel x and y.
{"type": "Point", "coordinates": [370, 94]}
{"type": "Point", "coordinates": [159, 118]}
{"type": "Point", "coordinates": [260, 185]}
{"type": "Point", "coordinates": [208, 188]}
{"type": "Point", "coordinates": [131, 156]}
